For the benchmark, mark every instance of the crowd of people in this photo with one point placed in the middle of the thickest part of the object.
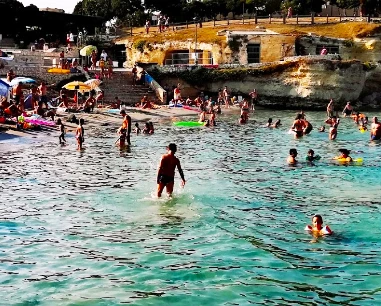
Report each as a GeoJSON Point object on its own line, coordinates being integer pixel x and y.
{"type": "Point", "coordinates": [33, 99]}
{"type": "Point", "coordinates": [162, 24]}
{"type": "Point", "coordinates": [105, 64]}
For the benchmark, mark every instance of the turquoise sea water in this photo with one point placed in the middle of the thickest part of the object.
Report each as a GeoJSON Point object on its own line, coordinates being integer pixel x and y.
{"type": "Point", "coordinates": [84, 229]}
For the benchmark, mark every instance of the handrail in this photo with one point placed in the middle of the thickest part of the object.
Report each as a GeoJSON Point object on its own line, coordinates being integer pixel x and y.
{"type": "Point", "coordinates": [160, 92]}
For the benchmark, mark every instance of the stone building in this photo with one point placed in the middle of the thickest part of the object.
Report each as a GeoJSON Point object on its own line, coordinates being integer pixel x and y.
{"type": "Point", "coordinates": [258, 46]}
{"type": "Point", "coordinates": [366, 49]}
{"type": "Point", "coordinates": [240, 47]}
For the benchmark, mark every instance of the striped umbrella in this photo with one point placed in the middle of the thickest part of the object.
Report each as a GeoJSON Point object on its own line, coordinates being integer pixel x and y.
{"type": "Point", "coordinates": [93, 83]}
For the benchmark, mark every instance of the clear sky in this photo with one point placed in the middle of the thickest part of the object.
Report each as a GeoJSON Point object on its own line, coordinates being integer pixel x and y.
{"type": "Point", "coordinates": [67, 5]}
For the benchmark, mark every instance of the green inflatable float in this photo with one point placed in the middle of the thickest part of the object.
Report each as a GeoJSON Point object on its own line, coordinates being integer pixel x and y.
{"type": "Point", "coordinates": [187, 123]}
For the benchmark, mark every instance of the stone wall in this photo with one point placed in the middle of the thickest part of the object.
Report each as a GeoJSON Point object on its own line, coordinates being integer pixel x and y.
{"type": "Point", "coordinates": [35, 64]}
{"type": "Point", "coordinates": [38, 72]}
{"type": "Point", "coordinates": [273, 48]}
{"type": "Point", "coordinates": [309, 85]}
{"type": "Point", "coordinates": [364, 49]}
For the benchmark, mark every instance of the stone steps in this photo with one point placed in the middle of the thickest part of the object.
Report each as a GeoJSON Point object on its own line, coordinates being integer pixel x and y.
{"type": "Point", "coordinates": [121, 86]}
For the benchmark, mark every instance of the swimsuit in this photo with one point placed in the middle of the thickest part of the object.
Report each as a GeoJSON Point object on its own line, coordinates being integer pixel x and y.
{"type": "Point", "coordinates": [165, 179]}
{"type": "Point", "coordinates": [347, 112]}
{"type": "Point", "coordinates": [299, 133]}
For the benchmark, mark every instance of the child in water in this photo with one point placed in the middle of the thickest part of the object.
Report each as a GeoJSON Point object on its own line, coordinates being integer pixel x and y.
{"type": "Point", "coordinates": [311, 156]}
{"type": "Point", "coordinates": [322, 128]}
{"type": "Point", "coordinates": [151, 129]}
{"type": "Point", "coordinates": [137, 129]}
{"type": "Point", "coordinates": [317, 226]}
{"type": "Point", "coordinates": [276, 124]}
{"type": "Point", "coordinates": [61, 138]}
{"type": "Point", "coordinates": [344, 156]}
{"type": "Point", "coordinates": [80, 134]}
{"type": "Point", "coordinates": [291, 160]}
{"type": "Point", "coordinates": [146, 128]}
{"type": "Point", "coordinates": [362, 127]}
{"type": "Point", "coordinates": [269, 122]}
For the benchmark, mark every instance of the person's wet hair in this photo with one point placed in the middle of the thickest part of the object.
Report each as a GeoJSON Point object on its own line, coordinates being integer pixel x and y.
{"type": "Point", "coordinates": [172, 147]}
{"type": "Point", "coordinates": [319, 217]}
{"type": "Point", "coordinates": [310, 151]}
{"type": "Point", "coordinates": [293, 152]}
{"type": "Point", "coordinates": [345, 151]}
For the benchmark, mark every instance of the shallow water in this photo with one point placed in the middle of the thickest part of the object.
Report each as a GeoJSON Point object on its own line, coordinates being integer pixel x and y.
{"type": "Point", "coordinates": [82, 228]}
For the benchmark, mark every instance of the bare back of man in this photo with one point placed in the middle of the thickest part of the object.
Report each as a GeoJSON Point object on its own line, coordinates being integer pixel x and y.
{"type": "Point", "coordinates": [166, 171]}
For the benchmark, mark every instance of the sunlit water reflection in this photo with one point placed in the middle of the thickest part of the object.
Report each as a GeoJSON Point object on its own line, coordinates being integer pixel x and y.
{"type": "Point", "coordinates": [84, 229]}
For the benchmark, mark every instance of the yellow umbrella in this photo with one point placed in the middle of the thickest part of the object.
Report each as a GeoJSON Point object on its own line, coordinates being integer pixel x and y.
{"type": "Point", "coordinates": [77, 86]}
{"type": "Point", "coordinates": [86, 51]}
{"type": "Point", "coordinates": [93, 83]}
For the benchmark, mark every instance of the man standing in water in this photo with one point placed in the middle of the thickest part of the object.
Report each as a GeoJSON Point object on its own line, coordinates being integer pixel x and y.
{"type": "Point", "coordinates": [298, 126]}
{"type": "Point", "coordinates": [166, 171]}
{"type": "Point", "coordinates": [125, 130]}
{"type": "Point", "coordinates": [375, 130]}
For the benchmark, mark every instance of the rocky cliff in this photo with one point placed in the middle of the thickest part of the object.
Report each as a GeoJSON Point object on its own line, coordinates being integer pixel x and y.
{"type": "Point", "coordinates": [307, 84]}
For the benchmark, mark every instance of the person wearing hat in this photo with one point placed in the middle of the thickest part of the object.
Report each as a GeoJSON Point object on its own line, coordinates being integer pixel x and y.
{"type": "Point", "coordinates": [166, 171]}
{"type": "Point", "coordinates": [348, 109]}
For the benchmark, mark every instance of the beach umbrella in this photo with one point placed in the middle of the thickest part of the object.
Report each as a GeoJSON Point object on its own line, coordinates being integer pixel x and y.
{"type": "Point", "coordinates": [86, 51]}
{"type": "Point", "coordinates": [22, 80]}
{"type": "Point", "coordinates": [77, 86]}
{"type": "Point", "coordinates": [93, 83]}
{"type": "Point", "coordinates": [4, 88]}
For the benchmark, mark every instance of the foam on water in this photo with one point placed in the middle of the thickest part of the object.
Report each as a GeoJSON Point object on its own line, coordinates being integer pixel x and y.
{"type": "Point", "coordinates": [83, 228]}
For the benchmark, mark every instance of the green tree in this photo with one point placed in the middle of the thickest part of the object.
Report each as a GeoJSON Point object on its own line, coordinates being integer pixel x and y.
{"type": "Point", "coordinates": [215, 7]}
{"type": "Point", "coordinates": [79, 9]}
{"type": "Point", "coordinates": [11, 19]}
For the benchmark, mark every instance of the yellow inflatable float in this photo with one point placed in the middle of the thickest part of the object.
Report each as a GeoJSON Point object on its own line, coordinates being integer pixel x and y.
{"type": "Point", "coordinates": [59, 70]}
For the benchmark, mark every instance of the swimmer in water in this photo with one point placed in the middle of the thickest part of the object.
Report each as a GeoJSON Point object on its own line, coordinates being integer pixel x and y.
{"type": "Point", "coordinates": [311, 156]}
{"type": "Point", "coordinates": [276, 124]}
{"type": "Point", "coordinates": [362, 127]}
{"type": "Point", "coordinates": [137, 129]}
{"type": "Point", "coordinates": [166, 171]}
{"type": "Point", "coordinates": [317, 226]}
{"type": "Point", "coordinates": [80, 134]}
{"type": "Point", "coordinates": [344, 156]}
{"type": "Point", "coordinates": [322, 128]}
{"type": "Point", "coordinates": [269, 122]}
{"type": "Point", "coordinates": [291, 160]}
